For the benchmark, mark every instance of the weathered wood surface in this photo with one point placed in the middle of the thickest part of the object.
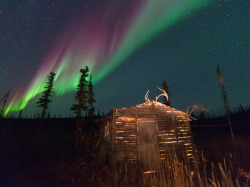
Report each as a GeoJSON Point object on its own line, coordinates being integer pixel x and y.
{"type": "Point", "coordinates": [173, 130]}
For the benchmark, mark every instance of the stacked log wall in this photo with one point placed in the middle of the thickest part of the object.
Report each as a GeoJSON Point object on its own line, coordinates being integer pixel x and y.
{"type": "Point", "coordinates": [174, 132]}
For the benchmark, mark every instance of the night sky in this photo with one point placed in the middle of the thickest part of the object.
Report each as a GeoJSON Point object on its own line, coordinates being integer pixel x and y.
{"type": "Point", "coordinates": [130, 47]}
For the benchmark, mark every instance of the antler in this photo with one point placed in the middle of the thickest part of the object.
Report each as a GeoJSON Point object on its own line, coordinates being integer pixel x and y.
{"type": "Point", "coordinates": [146, 97]}
{"type": "Point", "coordinates": [196, 107]}
{"type": "Point", "coordinates": [164, 94]}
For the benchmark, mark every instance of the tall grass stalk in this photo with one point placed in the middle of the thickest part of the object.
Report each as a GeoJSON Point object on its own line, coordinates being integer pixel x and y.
{"type": "Point", "coordinates": [175, 173]}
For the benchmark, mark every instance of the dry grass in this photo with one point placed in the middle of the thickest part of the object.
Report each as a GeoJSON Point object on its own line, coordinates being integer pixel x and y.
{"type": "Point", "coordinates": [50, 161]}
{"type": "Point", "coordinates": [175, 174]}
{"type": "Point", "coordinates": [172, 173]}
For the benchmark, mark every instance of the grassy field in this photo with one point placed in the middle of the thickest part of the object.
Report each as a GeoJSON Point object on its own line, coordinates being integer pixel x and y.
{"type": "Point", "coordinates": [50, 160]}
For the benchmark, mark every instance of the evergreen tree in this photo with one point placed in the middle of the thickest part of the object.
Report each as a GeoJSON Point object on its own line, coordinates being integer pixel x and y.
{"type": "Point", "coordinates": [98, 114]}
{"type": "Point", "coordinates": [165, 87]}
{"type": "Point", "coordinates": [223, 91]}
{"type": "Point", "coordinates": [91, 99]}
{"type": "Point", "coordinates": [81, 96]}
{"type": "Point", "coordinates": [47, 94]}
{"type": "Point", "coordinates": [225, 99]}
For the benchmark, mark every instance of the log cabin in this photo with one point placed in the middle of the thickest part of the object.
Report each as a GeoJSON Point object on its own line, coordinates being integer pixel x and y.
{"type": "Point", "coordinates": [146, 133]}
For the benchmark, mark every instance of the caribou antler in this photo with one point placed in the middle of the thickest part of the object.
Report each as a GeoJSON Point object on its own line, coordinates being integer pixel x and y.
{"type": "Point", "coordinates": [146, 97]}
{"type": "Point", "coordinates": [164, 94]}
{"type": "Point", "coordinates": [196, 107]}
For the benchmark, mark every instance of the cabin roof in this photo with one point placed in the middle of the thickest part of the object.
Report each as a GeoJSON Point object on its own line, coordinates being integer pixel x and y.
{"type": "Point", "coordinates": [153, 106]}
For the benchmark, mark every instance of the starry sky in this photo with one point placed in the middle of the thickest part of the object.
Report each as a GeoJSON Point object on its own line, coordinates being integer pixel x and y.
{"type": "Point", "coordinates": [130, 47]}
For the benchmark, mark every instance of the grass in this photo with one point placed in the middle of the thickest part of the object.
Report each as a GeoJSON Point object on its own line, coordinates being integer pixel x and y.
{"type": "Point", "coordinates": [175, 174]}
{"type": "Point", "coordinates": [50, 160]}
{"type": "Point", "coordinates": [172, 172]}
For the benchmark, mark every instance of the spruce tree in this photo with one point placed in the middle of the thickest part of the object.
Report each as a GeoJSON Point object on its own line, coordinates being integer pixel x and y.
{"type": "Point", "coordinates": [223, 91]}
{"type": "Point", "coordinates": [91, 99]}
{"type": "Point", "coordinates": [165, 87]}
{"type": "Point", "coordinates": [47, 94]}
{"type": "Point", "coordinates": [225, 99]}
{"type": "Point", "coordinates": [81, 96]}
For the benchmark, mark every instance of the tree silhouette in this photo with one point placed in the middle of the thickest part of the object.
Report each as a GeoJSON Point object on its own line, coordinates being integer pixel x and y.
{"type": "Point", "coordinates": [91, 99]}
{"type": "Point", "coordinates": [225, 99]}
{"type": "Point", "coordinates": [47, 94]}
{"type": "Point", "coordinates": [3, 102]}
{"type": "Point", "coordinates": [81, 96]}
{"type": "Point", "coordinates": [223, 91]}
{"type": "Point", "coordinates": [165, 87]}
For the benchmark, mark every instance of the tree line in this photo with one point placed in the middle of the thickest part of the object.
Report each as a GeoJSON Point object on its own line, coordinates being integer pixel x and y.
{"type": "Point", "coordinates": [84, 96]}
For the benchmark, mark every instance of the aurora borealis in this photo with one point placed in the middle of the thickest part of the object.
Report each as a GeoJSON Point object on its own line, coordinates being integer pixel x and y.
{"type": "Point", "coordinates": [110, 37]}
